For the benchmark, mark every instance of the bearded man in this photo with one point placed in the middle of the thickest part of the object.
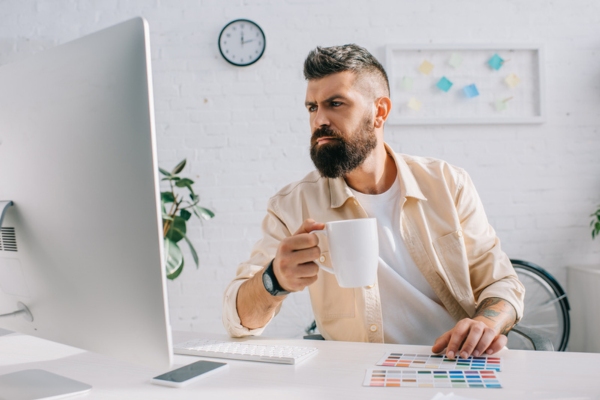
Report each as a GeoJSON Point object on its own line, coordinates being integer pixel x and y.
{"type": "Point", "coordinates": [442, 277]}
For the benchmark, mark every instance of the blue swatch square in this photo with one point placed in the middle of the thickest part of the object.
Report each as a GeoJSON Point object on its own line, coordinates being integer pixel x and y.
{"type": "Point", "coordinates": [471, 91]}
{"type": "Point", "coordinates": [496, 62]}
{"type": "Point", "coordinates": [444, 84]}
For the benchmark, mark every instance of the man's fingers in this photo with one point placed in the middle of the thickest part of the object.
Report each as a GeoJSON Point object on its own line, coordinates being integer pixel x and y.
{"type": "Point", "coordinates": [299, 242]}
{"type": "Point", "coordinates": [486, 340]}
{"type": "Point", "coordinates": [441, 342]}
{"type": "Point", "coordinates": [477, 334]}
{"type": "Point", "coordinates": [309, 225]}
{"type": "Point", "coordinates": [459, 334]}
{"type": "Point", "coordinates": [497, 345]}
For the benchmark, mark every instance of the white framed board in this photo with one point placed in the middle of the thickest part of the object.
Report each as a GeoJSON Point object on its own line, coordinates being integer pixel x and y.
{"type": "Point", "coordinates": [465, 84]}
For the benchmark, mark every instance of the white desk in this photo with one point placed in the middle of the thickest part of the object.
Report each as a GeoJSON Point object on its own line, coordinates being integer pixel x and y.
{"type": "Point", "coordinates": [337, 372]}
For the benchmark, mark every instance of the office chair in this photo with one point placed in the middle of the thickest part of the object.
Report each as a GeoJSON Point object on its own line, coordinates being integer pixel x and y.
{"type": "Point", "coordinates": [546, 323]}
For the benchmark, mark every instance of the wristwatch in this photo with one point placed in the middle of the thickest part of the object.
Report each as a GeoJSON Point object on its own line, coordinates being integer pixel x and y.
{"type": "Point", "coordinates": [270, 282]}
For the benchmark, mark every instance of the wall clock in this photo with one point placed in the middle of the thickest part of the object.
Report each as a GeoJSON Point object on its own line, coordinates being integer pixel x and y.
{"type": "Point", "coordinates": [242, 42]}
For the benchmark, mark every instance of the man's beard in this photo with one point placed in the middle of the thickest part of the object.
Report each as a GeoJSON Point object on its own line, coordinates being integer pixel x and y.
{"type": "Point", "coordinates": [342, 155]}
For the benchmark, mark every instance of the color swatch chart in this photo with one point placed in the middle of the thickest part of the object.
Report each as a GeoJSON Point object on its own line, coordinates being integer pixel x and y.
{"type": "Point", "coordinates": [439, 361]}
{"type": "Point", "coordinates": [431, 379]}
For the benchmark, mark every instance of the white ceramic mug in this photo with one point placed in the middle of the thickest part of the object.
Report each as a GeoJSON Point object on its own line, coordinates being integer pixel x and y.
{"type": "Point", "coordinates": [354, 251]}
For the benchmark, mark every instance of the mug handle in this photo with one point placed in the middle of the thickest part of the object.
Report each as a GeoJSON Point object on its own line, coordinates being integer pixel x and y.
{"type": "Point", "coordinates": [325, 268]}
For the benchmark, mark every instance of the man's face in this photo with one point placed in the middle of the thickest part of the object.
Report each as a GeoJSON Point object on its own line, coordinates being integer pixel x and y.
{"type": "Point", "coordinates": [341, 121]}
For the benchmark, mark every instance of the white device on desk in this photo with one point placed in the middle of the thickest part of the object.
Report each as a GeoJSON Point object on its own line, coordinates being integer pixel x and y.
{"type": "Point", "coordinates": [81, 253]}
{"type": "Point", "coordinates": [279, 354]}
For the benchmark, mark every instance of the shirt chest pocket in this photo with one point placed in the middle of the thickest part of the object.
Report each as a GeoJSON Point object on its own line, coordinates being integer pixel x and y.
{"type": "Point", "coordinates": [452, 254]}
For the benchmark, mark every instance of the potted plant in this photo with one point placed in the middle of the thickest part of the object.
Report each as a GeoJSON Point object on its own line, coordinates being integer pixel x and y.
{"type": "Point", "coordinates": [182, 203]}
{"type": "Point", "coordinates": [595, 223]}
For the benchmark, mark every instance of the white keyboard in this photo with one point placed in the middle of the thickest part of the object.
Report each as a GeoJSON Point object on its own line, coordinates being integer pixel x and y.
{"type": "Point", "coordinates": [243, 351]}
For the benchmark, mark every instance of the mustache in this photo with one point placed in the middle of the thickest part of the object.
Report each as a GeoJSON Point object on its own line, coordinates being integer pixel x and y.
{"type": "Point", "coordinates": [325, 131]}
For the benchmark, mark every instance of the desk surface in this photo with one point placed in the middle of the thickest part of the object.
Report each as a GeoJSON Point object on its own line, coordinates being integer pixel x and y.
{"type": "Point", "coordinates": [336, 372]}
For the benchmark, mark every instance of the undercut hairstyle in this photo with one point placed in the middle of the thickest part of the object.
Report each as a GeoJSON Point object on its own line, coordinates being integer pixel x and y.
{"type": "Point", "coordinates": [325, 61]}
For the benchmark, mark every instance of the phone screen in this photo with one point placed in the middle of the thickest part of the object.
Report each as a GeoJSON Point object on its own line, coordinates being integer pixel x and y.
{"type": "Point", "coordinates": [189, 371]}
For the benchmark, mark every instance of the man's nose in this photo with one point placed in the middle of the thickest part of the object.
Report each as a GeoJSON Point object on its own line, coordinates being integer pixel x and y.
{"type": "Point", "coordinates": [320, 119]}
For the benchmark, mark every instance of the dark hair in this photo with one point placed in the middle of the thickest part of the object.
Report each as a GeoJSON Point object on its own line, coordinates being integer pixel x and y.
{"type": "Point", "coordinates": [325, 61]}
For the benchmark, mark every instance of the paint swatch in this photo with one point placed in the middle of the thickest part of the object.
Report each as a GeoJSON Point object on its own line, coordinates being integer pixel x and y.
{"type": "Point", "coordinates": [431, 379]}
{"type": "Point", "coordinates": [439, 361]}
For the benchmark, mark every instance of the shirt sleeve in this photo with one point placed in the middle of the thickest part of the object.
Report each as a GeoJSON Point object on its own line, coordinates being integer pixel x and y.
{"type": "Point", "coordinates": [274, 230]}
{"type": "Point", "coordinates": [491, 272]}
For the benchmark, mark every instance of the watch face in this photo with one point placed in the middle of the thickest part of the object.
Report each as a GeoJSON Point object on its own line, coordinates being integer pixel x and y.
{"type": "Point", "coordinates": [268, 282]}
{"type": "Point", "coordinates": [242, 42]}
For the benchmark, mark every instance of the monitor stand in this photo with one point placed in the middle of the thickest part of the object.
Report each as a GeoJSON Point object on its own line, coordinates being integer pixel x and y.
{"type": "Point", "coordinates": [4, 204]}
{"type": "Point", "coordinates": [35, 384]}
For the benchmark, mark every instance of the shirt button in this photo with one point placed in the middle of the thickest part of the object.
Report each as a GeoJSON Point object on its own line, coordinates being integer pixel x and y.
{"type": "Point", "coordinates": [370, 286]}
{"type": "Point", "coordinates": [322, 258]}
{"type": "Point", "coordinates": [459, 233]}
{"type": "Point", "coordinates": [373, 328]}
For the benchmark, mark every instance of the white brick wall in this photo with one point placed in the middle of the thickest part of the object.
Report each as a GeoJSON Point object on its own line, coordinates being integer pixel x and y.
{"type": "Point", "coordinates": [245, 133]}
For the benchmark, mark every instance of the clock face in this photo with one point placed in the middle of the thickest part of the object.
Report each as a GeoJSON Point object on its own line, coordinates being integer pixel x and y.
{"type": "Point", "coordinates": [242, 42]}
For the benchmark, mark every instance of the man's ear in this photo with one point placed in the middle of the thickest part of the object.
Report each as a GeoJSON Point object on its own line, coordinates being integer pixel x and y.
{"type": "Point", "coordinates": [383, 106]}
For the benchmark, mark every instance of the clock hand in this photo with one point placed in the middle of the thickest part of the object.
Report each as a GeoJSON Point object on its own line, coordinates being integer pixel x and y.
{"type": "Point", "coordinates": [248, 41]}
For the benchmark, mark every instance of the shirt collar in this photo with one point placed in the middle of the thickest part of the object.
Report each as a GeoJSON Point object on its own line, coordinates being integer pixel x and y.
{"type": "Point", "coordinates": [340, 192]}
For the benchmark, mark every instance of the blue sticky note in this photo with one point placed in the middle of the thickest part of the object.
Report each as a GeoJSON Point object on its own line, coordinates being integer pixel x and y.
{"type": "Point", "coordinates": [496, 62]}
{"type": "Point", "coordinates": [444, 84]}
{"type": "Point", "coordinates": [471, 91]}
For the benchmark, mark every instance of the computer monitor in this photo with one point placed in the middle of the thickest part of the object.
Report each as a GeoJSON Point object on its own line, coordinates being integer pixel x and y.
{"type": "Point", "coordinates": [82, 246]}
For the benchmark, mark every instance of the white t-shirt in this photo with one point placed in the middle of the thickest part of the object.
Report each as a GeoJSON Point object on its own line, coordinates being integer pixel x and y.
{"type": "Point", "coordinates": [412, 312]}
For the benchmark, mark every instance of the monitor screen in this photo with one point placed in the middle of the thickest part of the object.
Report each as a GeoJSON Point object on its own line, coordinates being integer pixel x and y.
{"type": "Point", "coordinates": [81, 247]}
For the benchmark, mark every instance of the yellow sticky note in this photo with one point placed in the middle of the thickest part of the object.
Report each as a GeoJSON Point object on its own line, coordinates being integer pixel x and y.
{"type": "Point", "coordinates": [512, 80]}
{"type": "Point", "coordinates": [426, 67]}
{"type": "Point", "coordinates": [414, 104]}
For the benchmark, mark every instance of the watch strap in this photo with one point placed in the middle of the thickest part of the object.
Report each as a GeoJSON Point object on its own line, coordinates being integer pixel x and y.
{"type": "Point", "coordinates": [277, 289]}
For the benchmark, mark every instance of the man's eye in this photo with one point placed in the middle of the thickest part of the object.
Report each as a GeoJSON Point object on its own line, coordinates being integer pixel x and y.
{"type": "Point", "coordinates": [336, 103]}
{"type": "Point", "coordinates": [312, 108]}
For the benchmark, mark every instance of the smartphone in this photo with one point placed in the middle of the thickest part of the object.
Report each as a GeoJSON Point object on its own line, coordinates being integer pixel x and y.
{"type": "Point", "coordinates": [189, 373]}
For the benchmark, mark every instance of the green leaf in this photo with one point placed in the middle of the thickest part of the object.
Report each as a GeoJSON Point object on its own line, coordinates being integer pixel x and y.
{"type": "Point", "coordinates": [167, 217]}
{"type": "Point", "coordinates": [167, 197]}
{"type": "Point", "coordinates": [203, 213]}
{"type": "Point", "coordinates": [193, 251]}
{"type": "Point", "coordinates": [178, 168]}
{"type": "Point", "coordinates": [164, 172]}
{"type": "Point", "coordinates": [177, 230]}
{"type": "Point", "coordinates": [174, 259]}
{"type": "Point", "coordinates": [194, 197]}
{"type": "Point", "coordinates": [184, 182]}
{"type": "Point", "coordinates": [171, 178]}
{"type": "Point", "coordinates": [185, 214]}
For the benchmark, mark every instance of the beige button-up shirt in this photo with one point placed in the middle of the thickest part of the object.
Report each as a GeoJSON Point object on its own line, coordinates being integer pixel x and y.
{"type": "Point", "coordinates": [442, 223]}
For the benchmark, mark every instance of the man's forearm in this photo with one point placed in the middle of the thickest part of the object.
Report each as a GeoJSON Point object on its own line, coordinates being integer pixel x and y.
{"type": "Point", "coordinates": [496, 313]}
{"type": "Point", "coordinates": [255, 306]}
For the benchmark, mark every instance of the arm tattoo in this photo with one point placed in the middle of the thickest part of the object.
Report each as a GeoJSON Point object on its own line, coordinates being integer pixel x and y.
{"type": "Point", "coordinates": [499, 311]}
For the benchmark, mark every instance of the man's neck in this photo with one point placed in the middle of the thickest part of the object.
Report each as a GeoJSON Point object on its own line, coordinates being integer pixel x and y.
{"type": "Point", "coordinates": [376, 174]}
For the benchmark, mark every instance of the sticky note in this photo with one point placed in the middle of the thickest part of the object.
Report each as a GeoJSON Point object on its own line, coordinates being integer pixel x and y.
{"type": "Point", "coordinates": [414, 104]}
{"type": "Point", "coordinates": [444, 84]}
{"type": "Point", "coordinates": [407, 83]}
{"type": "Point", "coordinates": [512, 80]}
{"type": "Point", "coordinates": [426, 67]}
{"type": "Point", "coordinates": [455, 60]}
{"type": "Point", "coordinates": [501, 105]}
{"type": "Point", "coordinates": [496, 62]}
{"type": "Point", "coordinates": [471, 91]}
